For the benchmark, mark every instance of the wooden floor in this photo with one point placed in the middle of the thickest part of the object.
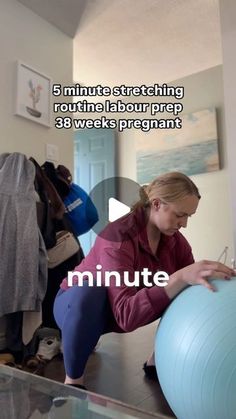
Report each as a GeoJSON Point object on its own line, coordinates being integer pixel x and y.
{"type": "Point", "coordinates": [115, 370]}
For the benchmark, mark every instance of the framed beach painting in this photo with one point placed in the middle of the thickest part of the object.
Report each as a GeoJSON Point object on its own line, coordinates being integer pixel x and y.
{"type": "Point", "coordinates": [193, 149]}
{"type": "Point", "coordinates": [33, 95]}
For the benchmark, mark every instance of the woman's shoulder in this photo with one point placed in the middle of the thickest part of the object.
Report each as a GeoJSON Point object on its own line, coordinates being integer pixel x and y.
{"type": "Point", "coordinates": [123, 229]}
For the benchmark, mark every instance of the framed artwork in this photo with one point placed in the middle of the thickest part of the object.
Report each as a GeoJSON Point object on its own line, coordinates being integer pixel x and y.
{"type": "Point", "coordinates": [193, 149]}
{"type": "Point", "coordinates": [33, 95]}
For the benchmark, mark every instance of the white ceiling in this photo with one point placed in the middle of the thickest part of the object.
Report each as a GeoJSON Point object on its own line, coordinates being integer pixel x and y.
{"type": "Point", "coordinates": [147, 41]}
{"type": "Point", "coordinates": [137, 41]}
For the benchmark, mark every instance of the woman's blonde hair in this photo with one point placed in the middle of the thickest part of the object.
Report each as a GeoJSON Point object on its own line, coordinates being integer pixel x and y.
{"type": "Point", "coordinates": [169, 187]}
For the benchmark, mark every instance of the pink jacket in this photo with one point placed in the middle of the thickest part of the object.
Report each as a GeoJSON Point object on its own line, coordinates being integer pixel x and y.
{"type": "Point", "coordinates": [124, 247]}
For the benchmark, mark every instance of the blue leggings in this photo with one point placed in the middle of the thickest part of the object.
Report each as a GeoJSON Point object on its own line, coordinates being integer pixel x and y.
{"type": "Point", "coordinates": [82, 314]}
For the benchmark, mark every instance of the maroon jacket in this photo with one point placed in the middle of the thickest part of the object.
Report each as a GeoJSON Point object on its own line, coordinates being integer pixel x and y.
{"type": "Point", "coordinates": [124, 247]}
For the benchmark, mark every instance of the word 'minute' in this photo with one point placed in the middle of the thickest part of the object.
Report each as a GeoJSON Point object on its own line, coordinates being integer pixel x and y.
{"type": "Point", "coordinates": [139, 278]}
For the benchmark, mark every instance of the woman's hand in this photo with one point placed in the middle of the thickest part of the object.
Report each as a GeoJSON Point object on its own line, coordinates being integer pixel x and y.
{"type": "Point", "coordinates": [197, 273]}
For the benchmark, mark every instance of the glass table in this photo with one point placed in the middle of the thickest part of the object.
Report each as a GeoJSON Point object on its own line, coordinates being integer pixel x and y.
{"type": "Point", "coordinates": [28, 396]}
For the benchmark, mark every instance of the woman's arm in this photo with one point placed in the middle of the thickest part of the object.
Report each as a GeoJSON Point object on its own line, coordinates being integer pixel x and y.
{"type": "Point", "coordinates": [131, 307]}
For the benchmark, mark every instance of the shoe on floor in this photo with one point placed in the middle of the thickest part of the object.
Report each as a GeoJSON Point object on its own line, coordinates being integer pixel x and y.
{"type": "Point", "coordinates": [48, 348]}
{"type": "Point", "coordinates": [150, 371]}
{"type": "Point", "coordinates": [6, 357]}
{"type": "Point", "coordinates": [9, 360]}
{"type": "Point", "coordinates": [33, 362]}
{"type": "Point", "coordinates": [47, 332]}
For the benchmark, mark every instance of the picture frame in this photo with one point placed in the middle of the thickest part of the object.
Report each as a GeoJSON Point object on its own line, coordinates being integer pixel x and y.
{"type": "Point", "coordinates": [33, 94]}
{"type": "Point", "coordinates": [192, 150]}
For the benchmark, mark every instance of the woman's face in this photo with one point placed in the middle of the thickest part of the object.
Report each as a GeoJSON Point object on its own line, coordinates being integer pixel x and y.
{"type": "Point", "coordinates": [169, 218]}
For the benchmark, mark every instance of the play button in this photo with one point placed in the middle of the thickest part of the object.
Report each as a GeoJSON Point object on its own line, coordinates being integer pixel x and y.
{"type": "Point", "coordinates": [116, 209]}
{"type": "Point", "coordinates": [114, 198]}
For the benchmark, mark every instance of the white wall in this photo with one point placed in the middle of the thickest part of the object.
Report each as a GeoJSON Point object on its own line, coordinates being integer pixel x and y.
{"type": "Point", "coordinates": [27, 37]}
{"type": "Point", "coordinates": [210, 230]}
{"type": "Point", "coordinates": [228, 24]}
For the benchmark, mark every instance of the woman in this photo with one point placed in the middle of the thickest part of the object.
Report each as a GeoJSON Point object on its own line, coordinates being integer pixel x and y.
{"type": "Point", "coordinates": [148, 237]}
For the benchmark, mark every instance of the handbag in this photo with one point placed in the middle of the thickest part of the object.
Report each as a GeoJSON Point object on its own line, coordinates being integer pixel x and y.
{"type": "Point", "coordinates": [65, 247]}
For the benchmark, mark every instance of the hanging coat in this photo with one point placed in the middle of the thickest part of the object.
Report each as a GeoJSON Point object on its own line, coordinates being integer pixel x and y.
{"type": "Point", "coordinates": [23, 262]}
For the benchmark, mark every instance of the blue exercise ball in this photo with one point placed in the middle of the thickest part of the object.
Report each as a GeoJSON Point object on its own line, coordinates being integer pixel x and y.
{"type": "Point", "coordinates": [195, 352]}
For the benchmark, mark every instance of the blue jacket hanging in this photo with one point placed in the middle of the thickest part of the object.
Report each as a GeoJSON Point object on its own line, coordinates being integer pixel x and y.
{"type": "Point", "coordinates": [80, 210]}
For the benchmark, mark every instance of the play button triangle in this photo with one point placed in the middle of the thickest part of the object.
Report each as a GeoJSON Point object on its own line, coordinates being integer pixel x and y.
{"type": "Point", "coordinates": [116, 209]}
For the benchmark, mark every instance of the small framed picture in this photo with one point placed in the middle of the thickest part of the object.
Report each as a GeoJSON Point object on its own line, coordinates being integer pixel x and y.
{"type": "Point", "coordinates": [33, 95]}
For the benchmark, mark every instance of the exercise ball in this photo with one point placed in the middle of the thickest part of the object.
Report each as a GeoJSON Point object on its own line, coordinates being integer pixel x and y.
{"type": "Point", "coordinates": [195, 352]}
